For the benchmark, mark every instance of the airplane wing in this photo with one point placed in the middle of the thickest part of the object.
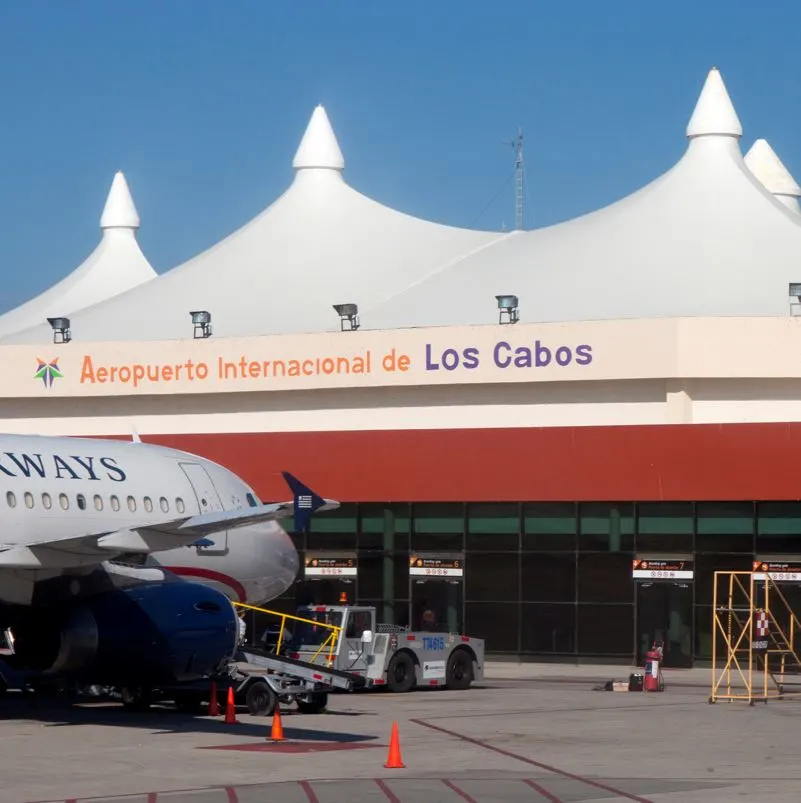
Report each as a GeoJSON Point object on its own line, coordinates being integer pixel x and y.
{"type": "Point", "coordinates": [96, 547]}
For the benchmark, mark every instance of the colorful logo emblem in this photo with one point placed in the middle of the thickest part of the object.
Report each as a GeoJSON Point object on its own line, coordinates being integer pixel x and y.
{"type": "Point", "coordinates": [48, 372]}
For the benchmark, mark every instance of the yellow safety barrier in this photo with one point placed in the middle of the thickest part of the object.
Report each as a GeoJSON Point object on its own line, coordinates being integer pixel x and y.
{"type": "Point", "coordinates": [330, 641]}
{"type": "Point", "coordinates": [754, 627]}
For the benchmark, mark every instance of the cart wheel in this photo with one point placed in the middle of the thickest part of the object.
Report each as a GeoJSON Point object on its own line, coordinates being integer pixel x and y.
{"type": "Point", "coordinates": [400, 674]}
{"type": "Point", "coordinates": [260, 699]}
{"type": "Point", "coordinates": [312, 703]}
{"type": "Point", "coordinates": [459, 674]}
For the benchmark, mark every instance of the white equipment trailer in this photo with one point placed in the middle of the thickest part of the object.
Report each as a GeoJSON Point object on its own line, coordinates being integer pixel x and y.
{"type": "Point", "coordinates": [388, 656]}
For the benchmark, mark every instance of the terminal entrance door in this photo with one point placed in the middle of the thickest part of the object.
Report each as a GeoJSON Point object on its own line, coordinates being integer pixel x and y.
{"type": "Point", "coordinates": [664, 609]}
{"type": "Point", "coordinates": [436, 592]}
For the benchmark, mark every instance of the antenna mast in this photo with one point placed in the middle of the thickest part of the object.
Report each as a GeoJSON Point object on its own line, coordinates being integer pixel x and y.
{"type": "Point", "coordinates": [517, 144]}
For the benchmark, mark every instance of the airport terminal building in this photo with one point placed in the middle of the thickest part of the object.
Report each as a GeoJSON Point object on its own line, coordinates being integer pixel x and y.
{"type": "Point", "coordinates": [550, 438]}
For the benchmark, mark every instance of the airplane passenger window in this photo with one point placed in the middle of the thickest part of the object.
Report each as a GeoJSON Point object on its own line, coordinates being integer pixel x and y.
{"type": "Point", "coordinates": [47, 502]}
{"type": "Point", "coordinates": [148, 504]}
{"type": "Point", "coordinates": [132, 504]}
{"type": "Point", "coordinates": [28, 499]}
{"type": "Point", "coordinates": [11, 499]}
{"type": "Point", "coordinates": [98, 502]}
{"type": "Point", "coordinates": [165, 505]}
{"type": "Point", "coordinates": [64, 501]}
{"type": "Point", "coordinates": [115, 503]}
{"type": "Point", "coordinates": [252, 500]}
{"type": "Point", "coordinates": [179, 505]}
{"type": "Point", "coordinates": [81, 500]}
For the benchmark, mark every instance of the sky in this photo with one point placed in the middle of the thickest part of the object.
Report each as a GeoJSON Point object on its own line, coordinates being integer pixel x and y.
{"type": "Point", "coordinates": [202, 104]}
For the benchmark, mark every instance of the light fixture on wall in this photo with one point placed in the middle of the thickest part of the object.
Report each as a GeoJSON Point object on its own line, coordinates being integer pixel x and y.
{"type": "Point", "coordinates": [61, 329]}
{"type": "Point", "coordinates": [507, 308]}
{"type": "Point", "coordinates": [201, 320]}
{"type": "Point", "coordinates": [348, 316]}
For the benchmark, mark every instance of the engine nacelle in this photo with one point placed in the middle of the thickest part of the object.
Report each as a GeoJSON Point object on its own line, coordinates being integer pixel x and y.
{"type": "Point", "coordinates": [157, 633]}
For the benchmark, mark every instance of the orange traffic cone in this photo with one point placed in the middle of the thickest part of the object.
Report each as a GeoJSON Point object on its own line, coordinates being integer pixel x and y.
{"type": "Point", "coordinates": [214, 706]}
{"type": "Point", "coordinates": [277, 730]}
{"type": "Point", "coordinates": [230, 708]}
{"type": "Point", "coordinates": [394, 761]}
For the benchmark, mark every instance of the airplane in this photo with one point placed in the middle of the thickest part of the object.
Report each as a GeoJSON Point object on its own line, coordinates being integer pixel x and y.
{"type": "Point", "coordinates": [113, 554]}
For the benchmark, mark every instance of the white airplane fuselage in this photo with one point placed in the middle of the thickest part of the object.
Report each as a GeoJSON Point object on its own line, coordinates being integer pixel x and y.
{"type": "Point", "coordinates": [54, 488]}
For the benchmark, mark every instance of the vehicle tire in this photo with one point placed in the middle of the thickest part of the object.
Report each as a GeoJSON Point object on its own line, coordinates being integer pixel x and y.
{"type": "Point", "coordinates": [189, 703]}
{"type": "Point", "coordinates": [260, 699]}
{"type": "Point", "coordinates": [400, 674]}
{"type": "Point", "coordinates": [135, 698]}
{"type": "Point", "coordinates": [314, 703]}
{"type": "Point", "coordinates": [459, 674]}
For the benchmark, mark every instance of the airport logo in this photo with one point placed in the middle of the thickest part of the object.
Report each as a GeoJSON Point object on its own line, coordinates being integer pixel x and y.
{"type": "Point", "coordinates": [48, 372]}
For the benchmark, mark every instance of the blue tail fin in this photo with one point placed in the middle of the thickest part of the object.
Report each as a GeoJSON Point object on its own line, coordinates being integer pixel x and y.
{"type": "Point", "coordinates": [305, 500]}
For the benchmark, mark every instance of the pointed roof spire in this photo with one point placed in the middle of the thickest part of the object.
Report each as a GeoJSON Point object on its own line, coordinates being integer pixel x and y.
{"type": "Point", "coordinates": [319, 147]}
{"type": "Point", "coordinates": [763, 162]}
{"type": "Point", "coordinates": [714, 113]}
{"type": "Point", "coordinates": [119, 211]}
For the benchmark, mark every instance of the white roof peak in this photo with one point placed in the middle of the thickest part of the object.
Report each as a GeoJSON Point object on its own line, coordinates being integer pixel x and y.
{"type": "Point", "coordinates": [319, 147]}
{"type": "Point", "coordinates": [763, 162]}
{"type": "Point", "coordinates": [714, 113]}
{"type": "Point", "coordinates": [119, 211]}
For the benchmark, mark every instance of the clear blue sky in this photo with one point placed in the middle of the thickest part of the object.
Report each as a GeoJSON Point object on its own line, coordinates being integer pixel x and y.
{"type": "Point", "coordinates": [202, 104]}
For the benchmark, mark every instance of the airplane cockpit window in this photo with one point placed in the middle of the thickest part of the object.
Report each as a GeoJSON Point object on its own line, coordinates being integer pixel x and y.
{"type": "Point", "coordinates": [164, 504]}
{"type": "Point", "coordinates": [252, 501]}
{"type": "Point", "coordinates": [47, 502]}
{"type": "Point", "coordinates": [81, 500]}
{"type": "Point", "coordinates": [115, 503]}
{"type": "Point", "coordinates": [132, 504]}
{"type": "Point", "coordinates": [179, 505]}
{"type": "Point", "coordinates": [98, 502]}
{"type": "Point", "coordinates": [28, 500]}
{"type": "Point", "coordinates": [64, 501]}
{"type": "Point", "coordinates": [148, 504]}
{"type": "Point", "coordinates": [11, 499]}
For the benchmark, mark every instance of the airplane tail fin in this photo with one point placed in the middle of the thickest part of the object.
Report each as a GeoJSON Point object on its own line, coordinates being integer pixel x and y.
{"type": "Point", "coordinates": [304, 499]}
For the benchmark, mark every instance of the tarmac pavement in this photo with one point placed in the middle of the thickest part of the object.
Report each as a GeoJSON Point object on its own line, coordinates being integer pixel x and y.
{"type": "Point", "coordinates": [530, 732]}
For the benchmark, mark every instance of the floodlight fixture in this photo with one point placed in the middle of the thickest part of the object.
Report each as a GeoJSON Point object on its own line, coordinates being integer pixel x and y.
{"type": "Point", "coordinates": [794, 292]}
{"type": "Point", "coordinates": [348, 316]}
{"type": "Point", "coordinates": [61, 329]}
{"type": "Point", "coordinates": [201, 320]}
{"type": "Point", "coordinates": [508, 311]}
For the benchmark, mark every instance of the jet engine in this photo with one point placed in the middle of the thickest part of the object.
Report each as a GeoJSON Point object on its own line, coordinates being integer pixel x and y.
{"type": "Point", "coordinates": [158, 633]}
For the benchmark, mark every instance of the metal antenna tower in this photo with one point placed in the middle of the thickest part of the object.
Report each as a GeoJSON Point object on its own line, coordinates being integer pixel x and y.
{"type": "Point", "coordinates": [517, 144]}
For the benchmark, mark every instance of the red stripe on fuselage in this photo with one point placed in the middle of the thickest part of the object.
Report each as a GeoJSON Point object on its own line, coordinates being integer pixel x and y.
{"type": "Point", "coordinates": [210, 574]}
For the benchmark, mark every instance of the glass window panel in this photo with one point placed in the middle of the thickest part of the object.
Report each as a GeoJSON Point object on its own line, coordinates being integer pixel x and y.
{"type": "Point", "coordinates": [703, 632]}
{"type": "Point", "coordinates": [438, 527]}
{"type": "Point", "coordinates": [725, 527]}
{"type": "Point", "coordinates": [383, 575]}
{"type": "Point", "coordinates": [606, 630]}
{"type": "Point", "coordinates": [605, 578]}
{"type": "Point", "coordinates": [496, 622]}
{"type": "Point", "coordinates": [705, 568]}
{"type": "Point", "coordinates": [665, 526]}
{"type": "Point", "coordinates": [333, 529]}
{"type": "Point", "coordinates": [493, 527]}
{"type": "Point", "coordinates": [606, 526]}
{"type": "Point", "coordinates": [384, 526]}
{"type": "Point", "coordinates": [778, 527]}
{"type": "Point", "coordinates": [549, 577]}
{"type": "Point", "coordinates": [549, 526]}
{"type": "Point", "coordinates": [492, 577]}
{"type": "Point", "coordinates": [548, 628]}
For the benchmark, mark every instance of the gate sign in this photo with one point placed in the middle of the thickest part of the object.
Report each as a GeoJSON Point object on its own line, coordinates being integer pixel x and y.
{"type": "Point", "coordinates": [661, 569]}
{"type": "Point", "coordinates": [330, 566]}
{"type": "Point", "coordinates": [761, 631]}
{"type": "Point", "coordinates": [778, 571]}
{"type": "Point", "coordinates": [420, 566]}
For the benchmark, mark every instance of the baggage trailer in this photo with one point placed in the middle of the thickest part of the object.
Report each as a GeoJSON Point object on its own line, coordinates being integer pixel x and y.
{"type": "Point", "coordinates": [348, 638]}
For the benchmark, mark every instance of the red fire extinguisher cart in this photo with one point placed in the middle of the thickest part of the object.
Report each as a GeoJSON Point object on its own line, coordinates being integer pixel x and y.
{"type": "Point", "coordinates": [653, 679]}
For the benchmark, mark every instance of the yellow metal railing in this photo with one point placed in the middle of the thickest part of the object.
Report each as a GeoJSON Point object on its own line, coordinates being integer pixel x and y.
{"type": "Point", "coordinates": [747, 672]}
{"type": "Point", "coordinates": [331, 640]}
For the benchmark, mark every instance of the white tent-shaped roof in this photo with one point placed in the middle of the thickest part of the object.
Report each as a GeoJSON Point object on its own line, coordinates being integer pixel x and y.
{"type": "Point", "coordinates": [704, 239]}
{"type": "Point", "coordinates": [117, 264]}
{"type": "Point", "coordinates": [763, 162]}
{"type": "Point", "coordinates": [320, 243]}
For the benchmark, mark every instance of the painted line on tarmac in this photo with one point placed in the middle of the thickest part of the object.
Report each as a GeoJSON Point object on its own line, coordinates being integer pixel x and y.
{"type": "Point", "coordinates": [462, 794]}
{"type": "Point", "coordinates": [532, 762]}
{"type": "Point", "coordinates": [542, 791]}
{"type": "Point", "coordinates": [391, 796]}
{"type": "Point", "coordinates": [308, 791]}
